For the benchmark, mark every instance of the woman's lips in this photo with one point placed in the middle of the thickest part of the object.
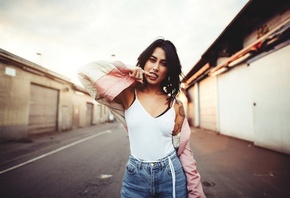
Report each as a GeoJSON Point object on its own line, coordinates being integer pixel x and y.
{"type": "Point", "coordinates": [153, 76]}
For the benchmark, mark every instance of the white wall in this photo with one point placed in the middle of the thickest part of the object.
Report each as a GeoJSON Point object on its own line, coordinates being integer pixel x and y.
{"type": "Point", "coordinates": [271, 93]}
{"type": "Point", "coordinates": [208, 103]}
{"type": "Point", "coordinates": [235, 103]}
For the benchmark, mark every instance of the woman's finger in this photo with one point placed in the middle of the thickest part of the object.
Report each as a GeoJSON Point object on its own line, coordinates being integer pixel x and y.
{"type": "Point", "coordinates": [148, 74]}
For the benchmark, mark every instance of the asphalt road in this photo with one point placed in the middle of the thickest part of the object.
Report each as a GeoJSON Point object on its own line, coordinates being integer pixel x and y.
{"type": "Point", "coordinates": [91, 168]}
{"type": "Point", "coordinates": [233, 168]}
{"type": "Point", "coordinates": [90, 163]}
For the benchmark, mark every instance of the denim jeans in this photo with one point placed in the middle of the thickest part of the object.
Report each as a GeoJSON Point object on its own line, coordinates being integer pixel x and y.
{"type": "Point", "coordinates": [154, 179]}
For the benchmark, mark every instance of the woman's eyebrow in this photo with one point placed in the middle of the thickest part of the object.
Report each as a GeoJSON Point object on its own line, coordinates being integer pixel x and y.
{"type": "Point", "coordinates": [152, 56]}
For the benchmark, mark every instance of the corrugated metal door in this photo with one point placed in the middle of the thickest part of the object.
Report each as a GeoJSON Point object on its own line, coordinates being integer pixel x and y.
{"type": "Point", "coordinates": [208, 103]}
{"type": "Point", "coordinates": [89, 116]}
{"type": "Point", "coordinates": [99, 114]}
{"type": "Point", "coordinates": [76, 117]}
{"type": "Point", "coordinates": [42, 109]}
{"type": "Point", "coordinates": [65, 118]}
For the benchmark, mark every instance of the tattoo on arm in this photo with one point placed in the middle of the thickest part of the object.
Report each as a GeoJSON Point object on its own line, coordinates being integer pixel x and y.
{"type": "Point", "coordinates": [181, 111]}
{"type": "Point", "coordinates": [180, 116]}
{"type": "Point", "coordinates": [176, 129]}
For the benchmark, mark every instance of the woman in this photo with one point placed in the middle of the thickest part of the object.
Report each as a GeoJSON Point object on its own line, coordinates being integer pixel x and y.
{"type": "Point", "coordinates": [143, 98]}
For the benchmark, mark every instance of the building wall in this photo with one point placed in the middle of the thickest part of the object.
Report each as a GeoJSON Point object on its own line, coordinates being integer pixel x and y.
{"type": "Point", "coordinates": [20, 116]}
{"type": "Point", "coordinates": [252, 99]}
{"type": "Point", "coordinates": [14, 102]}
{"type": "Point", "coordinates": [191, 107]}
{"type": "Point", "coordinates": [253, 102]}
{"type": "Point", "coordinates": [271, 100]}
{"type": "Point", "coordinates": [208, 103]}
{"type": "Point", "coordinates": [235, 103]}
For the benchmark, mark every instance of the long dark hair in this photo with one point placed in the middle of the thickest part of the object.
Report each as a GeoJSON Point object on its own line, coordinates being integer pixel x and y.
{"type": "Point", "coordinates": [171, 84]}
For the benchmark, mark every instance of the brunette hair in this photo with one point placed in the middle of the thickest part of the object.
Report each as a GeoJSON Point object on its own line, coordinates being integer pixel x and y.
{"type": "Point", "coordinates": [171, 84]}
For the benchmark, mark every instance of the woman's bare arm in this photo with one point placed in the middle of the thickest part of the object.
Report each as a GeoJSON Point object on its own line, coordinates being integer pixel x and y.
{"type": "Point", "coordinates": [179, 118]}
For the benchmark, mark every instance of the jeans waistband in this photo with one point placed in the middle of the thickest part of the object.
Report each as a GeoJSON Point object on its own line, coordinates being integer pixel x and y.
{"type": "Point", "coordinates": [158, 163]}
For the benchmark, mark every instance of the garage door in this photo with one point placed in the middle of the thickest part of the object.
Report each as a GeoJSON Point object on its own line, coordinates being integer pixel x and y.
{"type": "Point", "coordinates": [208, 104]}
{"type": "Point", "coordinates": [89, 120]}
{"type": "Point", "coordinates": [271, 100]}
{"type": "Point", "coordinates": [42, 110]}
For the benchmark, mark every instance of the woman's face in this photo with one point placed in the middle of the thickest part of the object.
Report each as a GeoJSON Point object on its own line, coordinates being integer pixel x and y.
{"type": "Point", "coordinates": [156, 66]}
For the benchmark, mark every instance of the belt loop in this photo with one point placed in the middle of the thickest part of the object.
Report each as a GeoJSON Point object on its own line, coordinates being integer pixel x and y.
{"type": "Point", "coordinates": [139, 164]}
{"type": "Point", "coordinates": [163, 164]}
{"type": "Point", "coordinates": [173, 155]}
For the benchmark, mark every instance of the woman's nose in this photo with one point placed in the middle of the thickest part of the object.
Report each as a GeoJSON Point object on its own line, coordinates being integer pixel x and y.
{"type": "Point", "coordinates": [156, 66]}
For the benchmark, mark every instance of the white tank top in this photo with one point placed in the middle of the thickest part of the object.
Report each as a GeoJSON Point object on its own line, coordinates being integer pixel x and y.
{"type": "Point", "coordinates": [150, 138]}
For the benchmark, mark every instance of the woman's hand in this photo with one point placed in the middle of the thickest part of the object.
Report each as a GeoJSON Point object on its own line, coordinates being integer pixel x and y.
{"type": "Point", "coordinates": [138, 73]}
{"type": "Point", "coordinates": [135, 72]}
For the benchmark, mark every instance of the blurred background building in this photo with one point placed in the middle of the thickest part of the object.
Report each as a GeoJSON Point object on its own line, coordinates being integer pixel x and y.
{"type": "Point", "coordinates": [240, 87]}
{"type": "Point", "coordinates": [35, 100]}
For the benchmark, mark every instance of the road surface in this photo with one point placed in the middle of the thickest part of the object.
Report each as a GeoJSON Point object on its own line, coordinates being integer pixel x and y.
{"type": "Point", "coordinates": [91, 166]}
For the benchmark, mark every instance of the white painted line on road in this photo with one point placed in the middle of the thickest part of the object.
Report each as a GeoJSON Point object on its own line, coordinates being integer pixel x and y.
{"type": "Point", "coordinates": [55, 151]}
{"type": "Point", "coordinates": [105, 176]}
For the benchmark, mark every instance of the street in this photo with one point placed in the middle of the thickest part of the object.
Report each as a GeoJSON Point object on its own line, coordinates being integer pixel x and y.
{"type": "Point", "coordinates": [233, 168]}
{"type": "Point", "coordinates": [93, 168]}
{"type": "Point", "coordinates": [90, 162]}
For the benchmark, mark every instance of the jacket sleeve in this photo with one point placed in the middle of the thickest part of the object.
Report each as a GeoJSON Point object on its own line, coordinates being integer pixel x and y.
{"type": "Point", "coordinates": [104, 81]}
{"type": "Point", "coordinates": [194, 186]}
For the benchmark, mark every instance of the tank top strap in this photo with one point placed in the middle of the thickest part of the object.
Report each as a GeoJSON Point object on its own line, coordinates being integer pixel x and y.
{"type": "Point", "coordinates": [134, 98]}
{"type": "Point", "coordinates": [173, 103]}
{"type": "Point", "coordinates": [135, 92]}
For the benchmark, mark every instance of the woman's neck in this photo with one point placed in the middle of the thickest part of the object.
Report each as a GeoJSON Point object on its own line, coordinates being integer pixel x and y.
{"type": "Point", "coordinates": [153, 90]}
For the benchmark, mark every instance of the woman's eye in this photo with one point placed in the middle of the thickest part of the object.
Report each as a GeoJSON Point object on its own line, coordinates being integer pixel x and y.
{"type": "Point", "coordinates": [163, 63]}
{"type": "Point", "coordinates": [153, 60]}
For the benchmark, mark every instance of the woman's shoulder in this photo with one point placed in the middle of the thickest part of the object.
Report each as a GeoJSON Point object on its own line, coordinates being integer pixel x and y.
{"type": "Point", "coordinates": [179, 108]}
{"type": "Point", "coordinates": [126, 97]}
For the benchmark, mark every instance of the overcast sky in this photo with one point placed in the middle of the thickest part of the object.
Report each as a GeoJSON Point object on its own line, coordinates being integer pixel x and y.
{"type": "Point", "coordinates": [71, 33]}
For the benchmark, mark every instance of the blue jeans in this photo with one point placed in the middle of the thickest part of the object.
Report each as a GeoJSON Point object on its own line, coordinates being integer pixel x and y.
{"type": "Point", "coordinates": [154, 179]}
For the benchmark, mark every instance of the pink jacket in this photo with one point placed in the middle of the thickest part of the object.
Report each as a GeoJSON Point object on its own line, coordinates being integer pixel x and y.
{"type": "Point", "coordinates": [104, 81]}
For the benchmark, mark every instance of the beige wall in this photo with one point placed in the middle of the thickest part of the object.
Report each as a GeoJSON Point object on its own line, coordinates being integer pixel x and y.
{"type": "Point", "coordinates": [15, 100]}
